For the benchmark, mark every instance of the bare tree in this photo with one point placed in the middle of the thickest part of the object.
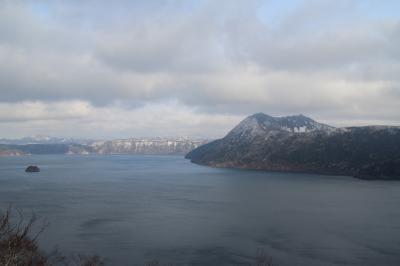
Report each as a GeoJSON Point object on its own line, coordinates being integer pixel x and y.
{"type": "Point", "coordinates": [19, 247]}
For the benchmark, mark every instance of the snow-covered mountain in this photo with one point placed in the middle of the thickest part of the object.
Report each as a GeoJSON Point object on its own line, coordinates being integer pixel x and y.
{"type": "Point", "coordinates": [300, 144]}
{"type": "Point", "coordinates": [179, 146]}
{"type": "Point", "coordinates": [261, 124]}
{"type": "Point", "coordinates": [147, 146]}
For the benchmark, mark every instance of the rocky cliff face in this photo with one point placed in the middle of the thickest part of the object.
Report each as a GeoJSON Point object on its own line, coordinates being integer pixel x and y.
{"type": "Point", "coordinates": [10, 152]}
{"type": "Point", "coordinates": [300, 144]}
{"type": "Point", "coordinates": [146, 146]}
{"type": "Point", "coordinates": [160, 146]}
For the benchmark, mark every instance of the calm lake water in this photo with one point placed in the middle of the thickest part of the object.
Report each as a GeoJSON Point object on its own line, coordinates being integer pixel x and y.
{"type": "Point", "coordinates": [133, 209]}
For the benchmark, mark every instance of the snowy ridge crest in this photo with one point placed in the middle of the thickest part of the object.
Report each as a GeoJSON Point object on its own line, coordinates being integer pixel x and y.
{"type": "Point", "coordinates": [261, 124]}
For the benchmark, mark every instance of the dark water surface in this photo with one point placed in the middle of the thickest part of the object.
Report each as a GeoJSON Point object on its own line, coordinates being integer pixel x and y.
{"type": "Point", "coordinates": [132, 209]}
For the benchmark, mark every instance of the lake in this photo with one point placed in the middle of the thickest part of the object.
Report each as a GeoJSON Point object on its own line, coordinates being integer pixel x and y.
{"type": "Point", "coordinates": [134, 209]}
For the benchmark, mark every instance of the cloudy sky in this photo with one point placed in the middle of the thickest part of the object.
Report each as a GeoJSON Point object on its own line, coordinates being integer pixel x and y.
{"type": "Point", "coordinates": [114, 69]}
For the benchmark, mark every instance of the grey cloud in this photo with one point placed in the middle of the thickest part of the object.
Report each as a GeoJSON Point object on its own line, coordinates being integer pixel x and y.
{"type": "Point", "coordinates": [313, 51]}
{"type": "Point", "coordinates": [325, 58]}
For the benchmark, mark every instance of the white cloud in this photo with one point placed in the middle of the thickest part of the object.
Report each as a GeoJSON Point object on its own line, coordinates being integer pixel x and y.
{"type": "Point", "coordinates": [81, 119]}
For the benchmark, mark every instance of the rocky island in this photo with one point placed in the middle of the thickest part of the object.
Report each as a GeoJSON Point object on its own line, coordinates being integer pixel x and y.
{"type": "Point", "coordinates": [32, 169]}
{"type": "Point", "coordinates": [300, 144]}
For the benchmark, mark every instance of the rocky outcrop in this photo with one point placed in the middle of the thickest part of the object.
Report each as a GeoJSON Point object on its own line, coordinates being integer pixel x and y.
{"type": "Point", "coordinates": [268, 143]}
{"type": "Point", "coordinates": [32, 169]}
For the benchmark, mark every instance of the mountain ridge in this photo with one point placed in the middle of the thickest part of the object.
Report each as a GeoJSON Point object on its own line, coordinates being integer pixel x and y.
{"type": "Point", "coordinates": [155, 146]}
{"type": "Point", "coordinates": [260, 123]}
{"type": "Point", "coordinates": [269, 143]}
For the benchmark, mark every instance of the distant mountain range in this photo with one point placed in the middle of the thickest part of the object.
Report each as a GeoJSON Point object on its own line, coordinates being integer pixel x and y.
{"type": "Point", "coordinates": [50, 145]}
{"type": "Point", "coordinates": [146, 146]}
{"type": "Point", "coordinates": [41, 139]}
{"type": "Point", "coordinates": [300, 144]}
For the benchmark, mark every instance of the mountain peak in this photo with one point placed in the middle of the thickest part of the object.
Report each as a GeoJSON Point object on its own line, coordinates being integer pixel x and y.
{"type": "Point", "coordinates": [260, 115]}
{"type": "Point", "coordinates": [293, 123]}
{"type": "Point", "coordinates": [261, 124]}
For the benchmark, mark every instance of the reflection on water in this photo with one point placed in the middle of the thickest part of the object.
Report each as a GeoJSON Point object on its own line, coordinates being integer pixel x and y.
{"type": "Point", "coordinates": [132, 209]}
